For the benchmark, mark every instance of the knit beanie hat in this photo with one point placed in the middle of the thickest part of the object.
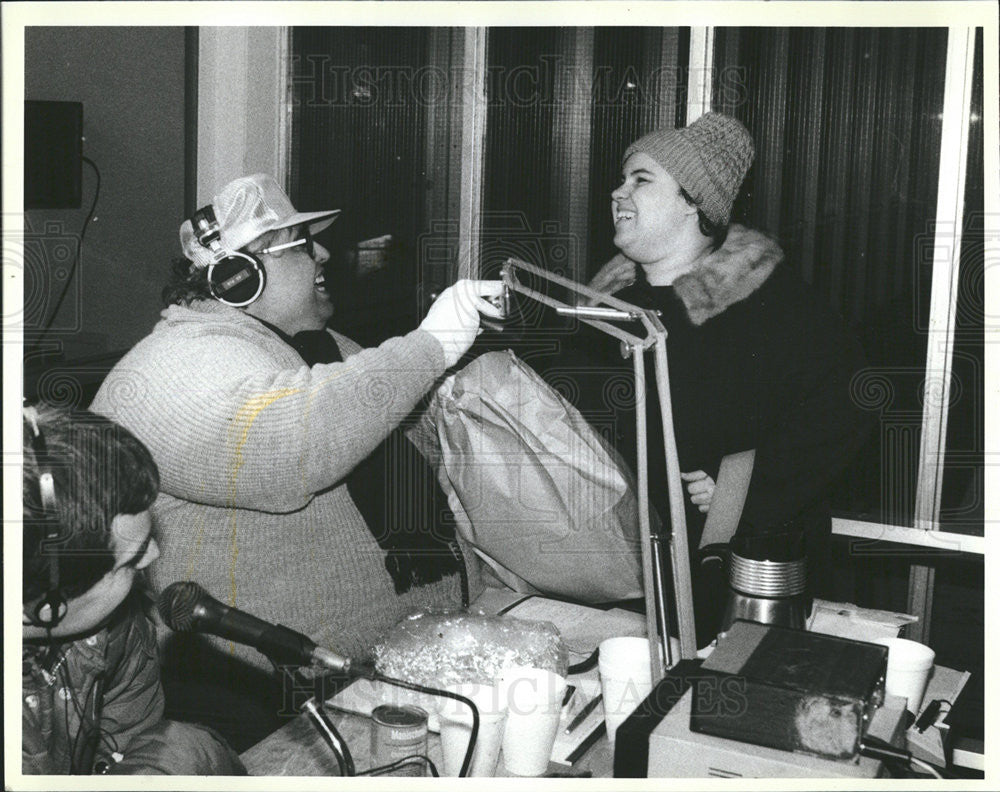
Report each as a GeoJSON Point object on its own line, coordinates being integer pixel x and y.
{"type": "Point", "coordinates": [709, 158]}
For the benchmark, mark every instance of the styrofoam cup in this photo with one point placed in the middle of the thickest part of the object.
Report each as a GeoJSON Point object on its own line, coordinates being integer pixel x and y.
{"type": "Point", "coordinates": [626, 678]}
{"type": "Point", "coordinates": [534, 702]}
{"type": "Point", "coordinates": [455, 719]}
{"type": "Point", "coordinates": [909, 669]}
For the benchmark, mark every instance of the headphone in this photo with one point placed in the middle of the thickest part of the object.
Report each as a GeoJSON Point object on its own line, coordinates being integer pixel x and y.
{"type": "Point", "coordinates": [235, 278]}
{"type": "Point", "coordinates": [53, 597]}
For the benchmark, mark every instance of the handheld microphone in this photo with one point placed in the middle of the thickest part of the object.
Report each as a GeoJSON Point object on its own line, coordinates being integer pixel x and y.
{"type": "Point", "coordinates": [187, 607]}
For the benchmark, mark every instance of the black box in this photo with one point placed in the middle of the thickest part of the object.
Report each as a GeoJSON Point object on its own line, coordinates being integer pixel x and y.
{"type": "Point", "coordinates": [789, 689]}
{"type": "Point", "coordinates": [53, 155]}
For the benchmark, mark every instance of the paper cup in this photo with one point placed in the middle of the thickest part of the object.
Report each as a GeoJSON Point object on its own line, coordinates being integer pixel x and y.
{"type": "Point", "coordinates": [455, 720]}
{"type": "Point", "coordinates": [909, 669]}
{"type": "Point", "coordinates": [534, 702]}
{"type": "Point", "coordinates": [626, 678]}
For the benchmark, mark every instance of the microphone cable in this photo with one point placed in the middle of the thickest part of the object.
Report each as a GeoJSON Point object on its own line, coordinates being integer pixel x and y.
{"type": "Point", "coordinates": [399, 764]}
{"type": "Point", "coordinates": [878, 749]}
{"type": "Point", "coordinates": [76, 258]}
{"type": "Point", "coordinates": [473, 735]}
{"type": "Point", "coordinates": [87, 723]}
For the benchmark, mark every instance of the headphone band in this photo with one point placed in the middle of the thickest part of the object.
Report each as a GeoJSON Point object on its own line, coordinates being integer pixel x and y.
{"type": "Point", "coordinates": [206, 227]}
{"type": "Point", "coordinates": [235, 277]}
{"type": "Point", "coordinates": [53, 597]}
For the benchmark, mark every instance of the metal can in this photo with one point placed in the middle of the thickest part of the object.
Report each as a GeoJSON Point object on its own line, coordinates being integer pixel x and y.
{"type": "Point", "coordinates": [398, 732]}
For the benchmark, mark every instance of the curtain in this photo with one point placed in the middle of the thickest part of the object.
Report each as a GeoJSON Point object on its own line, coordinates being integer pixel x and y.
{"type": "Point", "coordinates": [358, 134]}
{"type": "Point", "coordinates": [848, 128]}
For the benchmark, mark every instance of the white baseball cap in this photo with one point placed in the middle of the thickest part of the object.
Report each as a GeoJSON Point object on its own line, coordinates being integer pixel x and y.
{"type": "Point", "coordinates": [246, 208]}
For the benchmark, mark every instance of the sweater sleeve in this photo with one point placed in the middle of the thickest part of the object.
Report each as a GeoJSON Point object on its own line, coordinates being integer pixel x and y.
{"type": "Point", "coordinates": [229, 425]}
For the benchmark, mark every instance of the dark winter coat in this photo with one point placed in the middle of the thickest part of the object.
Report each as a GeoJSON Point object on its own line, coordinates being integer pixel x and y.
{"type": "Point", "coordinates": [96, 705]}
{"type": "Point", "coordinates": [757, 360]}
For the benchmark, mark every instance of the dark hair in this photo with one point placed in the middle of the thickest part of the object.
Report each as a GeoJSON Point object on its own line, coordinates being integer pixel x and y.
{"type": "Point", "coordinates": [188, 283]}
{"type": "Point", "coordinates": [717, 232]}
{"type": "Point", "coordinates": [100, 470]}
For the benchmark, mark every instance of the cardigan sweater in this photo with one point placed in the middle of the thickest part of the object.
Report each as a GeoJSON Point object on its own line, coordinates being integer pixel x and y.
{"type": "Point", "coordinates": [252, 447]}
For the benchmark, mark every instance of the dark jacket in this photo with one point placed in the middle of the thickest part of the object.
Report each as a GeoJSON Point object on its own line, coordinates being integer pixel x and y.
{"type": "Point", "coordinates": [758, 360]}
{"type": "Point", "coordinates": [96, 705]}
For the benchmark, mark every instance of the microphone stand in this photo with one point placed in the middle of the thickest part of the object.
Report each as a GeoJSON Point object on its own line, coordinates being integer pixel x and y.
{"type": "Point", "coordinates": [318, 718]}
{"type": "Point", "coordinates": [599, 317]}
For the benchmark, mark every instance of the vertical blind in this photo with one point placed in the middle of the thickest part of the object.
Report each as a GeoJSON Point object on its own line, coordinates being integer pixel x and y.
{"type": "Point", "coordinates": [522, 70]}
{"type": "Point", "coordinates": [640, 75]}
{"type": "Point", "coordinates": [358, 133]}
{"type": "Point", "coordinates": [542, 87]}
{"type": "Point", "coordinates": [847, 123]}
{"type": "Point", "coordinates": [962, 487]}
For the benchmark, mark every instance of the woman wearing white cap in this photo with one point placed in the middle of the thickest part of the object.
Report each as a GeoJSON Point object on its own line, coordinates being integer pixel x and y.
{"type": "Point", "coordinates": [285, 488]}
{"type": "Point", "coordinates": [757, 361]}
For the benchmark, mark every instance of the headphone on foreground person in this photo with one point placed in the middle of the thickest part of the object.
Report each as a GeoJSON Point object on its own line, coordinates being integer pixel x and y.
{"type": "Point", "coordinates": [53, 597]}
{"type": "Point", "coordinates": [235, 277]}
{"type": "Point", "coordinates": [215, 237]}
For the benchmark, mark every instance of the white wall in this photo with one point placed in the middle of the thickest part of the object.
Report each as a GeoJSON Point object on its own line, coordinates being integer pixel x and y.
{"type": "Point", "coordinates": [242, 112]}
{"type": "Point", "coordinates": [131, 83]}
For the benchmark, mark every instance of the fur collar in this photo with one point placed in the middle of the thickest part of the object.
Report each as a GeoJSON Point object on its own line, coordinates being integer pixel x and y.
{"type": "Point", "coordinates": [728, 275]}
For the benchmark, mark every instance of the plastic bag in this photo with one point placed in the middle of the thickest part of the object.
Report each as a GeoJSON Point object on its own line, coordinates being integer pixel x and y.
{"type": "Point", "coordinates": [534, 487]}
{"type": "Point", "coordinates": [438, 649]}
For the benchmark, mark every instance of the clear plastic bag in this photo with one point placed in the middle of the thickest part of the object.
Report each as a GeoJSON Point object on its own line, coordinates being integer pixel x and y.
{"type": "Point", "coordinates": [437, 649]}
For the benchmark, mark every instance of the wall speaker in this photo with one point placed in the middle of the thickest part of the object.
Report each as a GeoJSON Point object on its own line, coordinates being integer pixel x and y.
{"type": "Point", "coordinates": [53, 154]}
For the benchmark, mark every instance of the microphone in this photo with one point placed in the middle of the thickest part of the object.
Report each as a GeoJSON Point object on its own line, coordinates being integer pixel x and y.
{"type": "Point", "coordinates": [187, 607]}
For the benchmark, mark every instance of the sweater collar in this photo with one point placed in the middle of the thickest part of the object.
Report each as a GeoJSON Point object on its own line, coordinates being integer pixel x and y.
{"type": "Point", "coordinates": [728, 275]}
{"type": "Point", "coordinates": [197, 311]}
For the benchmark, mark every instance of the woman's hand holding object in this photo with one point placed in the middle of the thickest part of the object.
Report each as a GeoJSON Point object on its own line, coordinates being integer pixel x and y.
{"type": "Point", "coordinates": [700, 487]}
{"type": "Point", "coordinates": [453, 318]}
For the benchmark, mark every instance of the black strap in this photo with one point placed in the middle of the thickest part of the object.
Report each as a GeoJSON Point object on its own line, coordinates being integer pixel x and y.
{"type": "Point", "coordinates": [410, 519]}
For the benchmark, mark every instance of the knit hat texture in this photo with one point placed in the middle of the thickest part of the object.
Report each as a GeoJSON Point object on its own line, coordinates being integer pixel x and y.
{"type": "Point", "coordinates": [709, 158]}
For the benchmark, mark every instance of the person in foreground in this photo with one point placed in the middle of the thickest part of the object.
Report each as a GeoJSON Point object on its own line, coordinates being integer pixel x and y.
{"type": "Point", "coordinates": [288, 486]}
{"type": "Point", "coordinates": [756, 359]}
{"type": "Point", "coordinates": [91, 695]}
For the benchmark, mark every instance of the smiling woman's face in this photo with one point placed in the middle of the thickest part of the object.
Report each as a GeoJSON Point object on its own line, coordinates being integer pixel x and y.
{"type": "Point", "coordinates": [294, 296]}
{"type": "Point", "coordinates": [648, 210]}
{"type": "Point", "coordinates": [134, 548]}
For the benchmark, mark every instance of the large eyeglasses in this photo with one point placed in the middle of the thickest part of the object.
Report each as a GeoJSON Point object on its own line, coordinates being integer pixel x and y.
{"type": "Point", "coordinates": [306, 240]}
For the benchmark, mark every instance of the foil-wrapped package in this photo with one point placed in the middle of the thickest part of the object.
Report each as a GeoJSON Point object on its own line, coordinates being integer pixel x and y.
{"type": "Point", "coordinates": [443, 648]}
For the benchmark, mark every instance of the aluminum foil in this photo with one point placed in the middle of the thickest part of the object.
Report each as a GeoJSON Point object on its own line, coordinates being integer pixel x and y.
{"type": "Point", "coordinates": [452, 647]}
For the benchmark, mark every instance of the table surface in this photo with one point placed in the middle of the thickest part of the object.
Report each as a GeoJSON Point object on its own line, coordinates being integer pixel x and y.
{"type": "Point", "coordinates": [298, 749]}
